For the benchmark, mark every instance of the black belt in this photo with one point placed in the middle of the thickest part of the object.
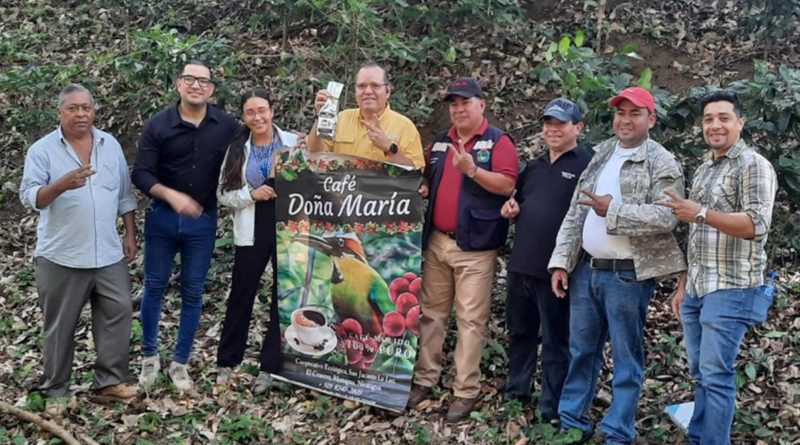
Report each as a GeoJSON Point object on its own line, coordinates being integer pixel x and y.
{"type": "Point", "coordinates": [604, 264]}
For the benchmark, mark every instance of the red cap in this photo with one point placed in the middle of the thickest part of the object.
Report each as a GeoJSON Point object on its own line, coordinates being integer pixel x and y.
{"type": "Point", "coordinates": [638, 95]}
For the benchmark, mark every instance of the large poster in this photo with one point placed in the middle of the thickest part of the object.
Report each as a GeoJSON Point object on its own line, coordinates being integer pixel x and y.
{"type": "Point", "coordinates": [348, 238]}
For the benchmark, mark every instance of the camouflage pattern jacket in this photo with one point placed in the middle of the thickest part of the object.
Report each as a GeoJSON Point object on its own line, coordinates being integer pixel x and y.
{"type": "Point", "coordinates": [643, 179]}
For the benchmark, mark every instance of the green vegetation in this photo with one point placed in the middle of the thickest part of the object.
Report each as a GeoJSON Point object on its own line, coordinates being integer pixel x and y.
{"type": "Point", "coordinates": [525, 53]}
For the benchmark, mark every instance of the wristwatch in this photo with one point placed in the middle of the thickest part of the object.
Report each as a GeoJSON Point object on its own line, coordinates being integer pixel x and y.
{"type": "Point", "coordinates": [471, 172]}
{"type": "Point", "coordinates": [700, 218]}
{"type": "Point", "coordinates": [393, 148]}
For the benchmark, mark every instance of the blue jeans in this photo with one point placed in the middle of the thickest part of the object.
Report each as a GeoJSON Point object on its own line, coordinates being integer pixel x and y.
{"type": "Point", "coordinates": [165, 233]}
{"type": "Point", "coordinates": [713, 327]}
{"type": "Point", "coordinates": [603, 305]}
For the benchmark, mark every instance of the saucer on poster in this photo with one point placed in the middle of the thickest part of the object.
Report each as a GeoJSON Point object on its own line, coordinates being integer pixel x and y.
{"type": "Point", "coordinates": [325, 346]}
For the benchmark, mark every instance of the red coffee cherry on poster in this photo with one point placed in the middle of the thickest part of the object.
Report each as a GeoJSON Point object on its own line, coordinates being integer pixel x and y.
{"type": "Point", "coordinates": [394, 324]}
{"type": "Point", "coordinates": [405, 302]}
{"type": "Point", "coordinates": [397, 287]}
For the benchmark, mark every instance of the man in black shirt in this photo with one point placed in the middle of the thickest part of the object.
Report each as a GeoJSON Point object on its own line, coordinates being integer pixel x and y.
{"type": "Point", "coordinates": [177, 165]}
{"type": "Point", "coordinates": [544, 190]}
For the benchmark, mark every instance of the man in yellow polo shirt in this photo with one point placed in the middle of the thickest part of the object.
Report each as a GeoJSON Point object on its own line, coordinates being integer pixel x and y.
{"type": "Point", "coordinates": [373, 130]}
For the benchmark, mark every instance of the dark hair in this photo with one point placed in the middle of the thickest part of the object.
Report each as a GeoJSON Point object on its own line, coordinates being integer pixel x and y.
{"type": "Point", "coordinates": [371, 64]}
{"type": "Point", "coordinates": [195, 62]}
{"type": "Point", "coordinates": [232, 170]}
{"type": "Point", "coordinates": [255, 92]}
{"type": "Point", "coordinates": [722, 96]}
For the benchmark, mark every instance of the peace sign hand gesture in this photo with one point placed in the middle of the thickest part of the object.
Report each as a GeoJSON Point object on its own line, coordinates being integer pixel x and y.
{"type": "Point", "coordinates": [76, 178]}
{"type": "Point", "coordinates": [684, 209]}
{"type": "Point", "coordinates": [598, 203]}
{"type": "Point", "coordinates": [376, 133]}
{"type": "Point", "coordinates": [461, 159]}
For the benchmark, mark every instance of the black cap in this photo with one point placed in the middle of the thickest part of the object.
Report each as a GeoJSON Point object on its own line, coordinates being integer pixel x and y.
{"type": "Point", "coordinates": [465, 87]}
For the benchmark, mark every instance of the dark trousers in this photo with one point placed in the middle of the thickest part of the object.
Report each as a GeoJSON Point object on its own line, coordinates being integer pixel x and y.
{"type": "Point", "coordinates": [248, 266]}
{"type": "Point", "coordinates": [63, 292]}
{"type": "Point", "coordinates": [531, 305]}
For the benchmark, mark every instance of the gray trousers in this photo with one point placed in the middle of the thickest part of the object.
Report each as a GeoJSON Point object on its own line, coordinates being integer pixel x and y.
{"type": "Point", "coordinates": [63, 292]}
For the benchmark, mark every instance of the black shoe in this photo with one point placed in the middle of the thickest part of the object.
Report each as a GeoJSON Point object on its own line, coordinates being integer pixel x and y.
{"type": "Point", "coordinates": [552, 419]}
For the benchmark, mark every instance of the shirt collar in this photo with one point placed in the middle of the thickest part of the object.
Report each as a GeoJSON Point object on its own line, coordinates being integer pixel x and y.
{"type": "Point", "coordinates": [734, 152]}
{"type": "Point", "coordinates": [97, 137]}
{"type": "Point", "coordinates": [385, 112]}
{"type": "Point", "coordinates": [175, 115]}
{"type": "Point", "coordinates": [570, 152]}
{"type": "Point", "coordinates": [641, 151]}
{"type": "Point", "coordinates": [453, 133]}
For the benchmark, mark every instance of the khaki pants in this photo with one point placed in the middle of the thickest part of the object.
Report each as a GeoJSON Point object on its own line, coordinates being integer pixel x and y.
{"type": "Point", "coordinates": [451, 277]}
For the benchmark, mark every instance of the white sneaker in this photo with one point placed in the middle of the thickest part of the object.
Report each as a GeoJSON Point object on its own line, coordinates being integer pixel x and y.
{"type": "Point", "coordinates": [179, 373]}
{"type": "Point", "coordinates": [262, 383]}
{"type": "Point", "coordinates": [224, 375]}
{"type": "Point", "coordinates": [150, 367]}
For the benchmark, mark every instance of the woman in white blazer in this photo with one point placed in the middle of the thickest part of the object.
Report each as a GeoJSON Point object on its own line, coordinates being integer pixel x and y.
{"type": "Point", "coordinates": [246, 185]}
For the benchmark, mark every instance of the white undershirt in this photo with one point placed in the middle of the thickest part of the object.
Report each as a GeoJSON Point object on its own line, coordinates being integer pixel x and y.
{"type": "Point", "coordinates": [596, 241]}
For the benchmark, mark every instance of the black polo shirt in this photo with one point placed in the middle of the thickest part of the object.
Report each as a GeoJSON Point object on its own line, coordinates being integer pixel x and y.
{"type": "Point", "coordinates": [544, 192]}
{"type": "Point", "coordinates": [184, 157]}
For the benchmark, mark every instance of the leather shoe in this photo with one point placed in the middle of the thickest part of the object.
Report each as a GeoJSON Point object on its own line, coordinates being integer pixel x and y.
{"type": "Point", "coordinates": [460, 408]}
{"type": "Point", "coordinates": [417, 395]}
{"type": "Point", "coordinates": [116, 393]}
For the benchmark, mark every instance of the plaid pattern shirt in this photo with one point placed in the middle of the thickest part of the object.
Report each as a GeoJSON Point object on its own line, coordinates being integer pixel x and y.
{"type": "Point", "coordinates": [740, 181]}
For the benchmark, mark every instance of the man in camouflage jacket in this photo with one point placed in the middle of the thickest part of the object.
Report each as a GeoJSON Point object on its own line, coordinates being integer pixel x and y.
{"type": "Point", "coordinates": [614, 242]}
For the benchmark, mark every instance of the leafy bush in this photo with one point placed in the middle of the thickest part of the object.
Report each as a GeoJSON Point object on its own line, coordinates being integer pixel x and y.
{"type": "Point", "coordinates": [772, 109]}
{"type": "Point", "coordinates": [134, 79]}
{"type": "Point", "coordinates": [576, 71]}
{"type": "Point", "coordinates": [771, 102]}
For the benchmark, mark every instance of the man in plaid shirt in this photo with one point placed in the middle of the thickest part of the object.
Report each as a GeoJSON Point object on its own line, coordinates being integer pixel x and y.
{"type": "Point", "coordinates": [729, 210]}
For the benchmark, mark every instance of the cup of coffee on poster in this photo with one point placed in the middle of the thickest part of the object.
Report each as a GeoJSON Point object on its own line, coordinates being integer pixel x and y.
{"type": "Point", "coordinates": [310, 324]}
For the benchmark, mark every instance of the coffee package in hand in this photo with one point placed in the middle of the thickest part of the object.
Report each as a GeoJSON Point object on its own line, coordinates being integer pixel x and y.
{"type": "Point", "coordinates": [326, 119]}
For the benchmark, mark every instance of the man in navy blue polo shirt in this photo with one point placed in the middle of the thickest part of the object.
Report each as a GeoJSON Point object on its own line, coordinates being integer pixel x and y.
{"type": "Point", "coordinates": [180, 153]}
{"type": "Point", "coordinates": [542, 199]}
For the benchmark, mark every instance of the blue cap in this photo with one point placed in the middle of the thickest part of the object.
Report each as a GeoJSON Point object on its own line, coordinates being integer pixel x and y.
{"type": "Point", "coordinates": [564, 110]}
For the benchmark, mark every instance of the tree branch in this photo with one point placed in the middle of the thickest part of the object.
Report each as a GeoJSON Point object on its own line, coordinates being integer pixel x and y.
{"type": "Point", "coordinates": [46, 425]}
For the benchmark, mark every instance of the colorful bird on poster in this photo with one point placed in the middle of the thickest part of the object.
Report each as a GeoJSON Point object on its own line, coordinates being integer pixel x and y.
{"type": "Point", "coordinates": [358, 291]}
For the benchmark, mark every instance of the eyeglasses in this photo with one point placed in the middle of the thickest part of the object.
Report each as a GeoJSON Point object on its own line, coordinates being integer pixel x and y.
{"type": "Point", "coordinates": [371, 86]}
{"type": "Point", "coordinates": [260, 112]}
{"type": "Point", "coordinates": [189, 80]}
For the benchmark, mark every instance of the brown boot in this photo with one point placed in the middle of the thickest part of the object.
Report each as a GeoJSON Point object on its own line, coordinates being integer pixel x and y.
{"type": "Point", "coordinates": [120, 392]}
{"type": "Point", "coordinates": [417, 395]}
{"type": "Point", "coordinates": [460, 408]}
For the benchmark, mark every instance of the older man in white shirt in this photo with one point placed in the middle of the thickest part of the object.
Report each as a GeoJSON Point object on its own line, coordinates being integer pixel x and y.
{"type": "Point", "coordinates": [77, 179]}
